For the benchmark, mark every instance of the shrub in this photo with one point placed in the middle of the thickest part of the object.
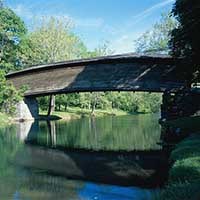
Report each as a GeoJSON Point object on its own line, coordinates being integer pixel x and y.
{"type": "Point", "coordinates": [180, 191]}
{"type": "Point", "coordinates": [9, 96]}
{"type": "Point", "coordinates": [185, 170]}
{"type": "Point", "coordinates": [187, 148]}
{"type": "Point", "coordinates": [185, 152]}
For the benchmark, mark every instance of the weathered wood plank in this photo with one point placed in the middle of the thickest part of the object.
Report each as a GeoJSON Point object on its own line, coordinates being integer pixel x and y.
{"type": "Point", "coordinates": [113, 73]}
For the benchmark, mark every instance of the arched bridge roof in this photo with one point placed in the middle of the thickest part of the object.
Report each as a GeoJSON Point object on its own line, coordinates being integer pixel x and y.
{"type": "Point", "coordinates": [127, 72]}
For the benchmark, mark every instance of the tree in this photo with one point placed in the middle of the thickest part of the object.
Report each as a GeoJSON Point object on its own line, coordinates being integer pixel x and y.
{"type": "Point", "coordinates": [101, 50]}
{"type": "Point", "coordinates": [52, 41]}
{"type": "Point", "coordinates": [67, 100]}
{"type": "Point", "coordinates": [12, 29]}
{"type": "Point", "coordinates": [9, 96]}
{"type": "Point", "coordinates": [156, 40]}
{"type": "Point", "coordinates": [185, 41]}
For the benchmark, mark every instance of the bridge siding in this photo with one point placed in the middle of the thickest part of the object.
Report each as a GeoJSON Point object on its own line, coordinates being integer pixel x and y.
{"type": "Point", "coordinates": [122, 76]}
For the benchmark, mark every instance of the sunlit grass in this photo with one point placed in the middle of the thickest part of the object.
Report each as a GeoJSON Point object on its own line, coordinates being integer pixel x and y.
{"type": "Point", "coordinates": [75, 113]}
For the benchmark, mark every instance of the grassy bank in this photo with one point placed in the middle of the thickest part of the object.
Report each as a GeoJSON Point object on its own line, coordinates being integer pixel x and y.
{"type": "Point", "coordinates": [184, 174]}
{"type": "Point", "coordinates": [76, 113]}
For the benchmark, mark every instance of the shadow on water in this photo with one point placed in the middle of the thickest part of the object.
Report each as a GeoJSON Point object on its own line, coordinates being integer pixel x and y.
{"type": "Point", "coordinates": [97, 156]}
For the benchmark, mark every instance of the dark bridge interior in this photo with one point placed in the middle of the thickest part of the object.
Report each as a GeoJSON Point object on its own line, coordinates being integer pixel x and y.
{"type": "Point", "coordinates": [128, 72]}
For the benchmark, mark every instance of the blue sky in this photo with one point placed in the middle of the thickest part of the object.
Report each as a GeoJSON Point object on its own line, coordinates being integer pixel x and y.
{"type": "Point", "coordinates": [118, 21]}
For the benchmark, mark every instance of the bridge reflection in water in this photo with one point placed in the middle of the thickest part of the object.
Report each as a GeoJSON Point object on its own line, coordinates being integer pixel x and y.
{"type": "Point", "coordinates": [97, 157]}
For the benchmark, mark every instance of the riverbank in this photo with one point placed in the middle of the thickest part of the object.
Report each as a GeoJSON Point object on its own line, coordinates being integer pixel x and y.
{"type": "Point", "coordinates": [184, 174]}
{"type": "Point", "coordinates": [77, 113]}
{"type": "Point", "coordinates": [70, 114]}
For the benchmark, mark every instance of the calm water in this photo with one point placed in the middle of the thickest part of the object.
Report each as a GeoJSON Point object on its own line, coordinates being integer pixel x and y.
{"type": "Point", "coordinates": [34, 160]}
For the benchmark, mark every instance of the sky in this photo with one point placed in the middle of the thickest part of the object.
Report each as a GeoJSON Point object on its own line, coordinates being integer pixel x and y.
{"type": "Point", "coordinates": [120, 22]}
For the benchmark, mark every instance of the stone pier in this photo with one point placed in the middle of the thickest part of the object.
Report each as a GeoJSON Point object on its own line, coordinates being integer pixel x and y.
{"type": "Point", "coordinates": [27, 109]}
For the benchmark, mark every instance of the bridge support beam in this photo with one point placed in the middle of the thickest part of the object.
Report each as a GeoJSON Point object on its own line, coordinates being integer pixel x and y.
{"type": "Point", "coordinates": [27, 109]}
{"type": "Point", "coordinates": [51, 105]}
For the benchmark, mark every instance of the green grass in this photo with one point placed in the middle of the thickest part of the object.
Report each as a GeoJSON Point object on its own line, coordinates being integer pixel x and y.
{"type": "Point", "coordinates": [73, 113]}
{"type": "Point", "coordinates": [184, 175]}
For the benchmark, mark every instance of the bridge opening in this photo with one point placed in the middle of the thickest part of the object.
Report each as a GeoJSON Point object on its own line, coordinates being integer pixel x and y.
{"type": "Point", "coordinates": [102, 102]}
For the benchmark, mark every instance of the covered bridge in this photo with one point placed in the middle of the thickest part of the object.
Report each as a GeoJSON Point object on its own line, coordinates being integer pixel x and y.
{"type": "Point", "coordinates": [128, 72]}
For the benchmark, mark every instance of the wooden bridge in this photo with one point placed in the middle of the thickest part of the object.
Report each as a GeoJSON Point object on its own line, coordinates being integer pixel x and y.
{"type": "Point", "coordinates": [128, 72]}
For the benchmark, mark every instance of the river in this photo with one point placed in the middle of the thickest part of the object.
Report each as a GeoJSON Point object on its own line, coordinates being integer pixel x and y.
{"type": "Point", "coordinates": [107, 158]}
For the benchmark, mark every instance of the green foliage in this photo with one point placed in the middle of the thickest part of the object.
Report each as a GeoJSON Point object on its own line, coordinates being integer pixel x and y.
{"type": "Point", "coordinates": [185, 170]}
{"type": "Point", "coordinates": [188, 148]}
{"type": "Point", "coordinates": [52, 41]}
{"type": "Point", "coordinates": [156, 40]}
{"type": "Point", "coordinates": [43, 102]}
{"type": "Point", "coordinates": [101, 50]}
{"type": "Point", "coordinates": [185, 41]}
{"type": "Point", "coordinates": [67, 100]}
{"type": "Point", "coordinates": [184, 175]}
{"type": "Point", "coordinates": [9, 96]}
{"type": "Point", "coordinates": [125, 101]}
{"type": "Point", "coordinates": [12, 29]}
{"type": "Point", "coordinates": [187, 157]}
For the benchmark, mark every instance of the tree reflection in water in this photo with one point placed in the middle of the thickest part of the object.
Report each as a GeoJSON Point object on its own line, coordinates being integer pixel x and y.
{"type": "Point", "coordinates": [19, 181]}
{"type": "Point", "coordinates": [139, 132]}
